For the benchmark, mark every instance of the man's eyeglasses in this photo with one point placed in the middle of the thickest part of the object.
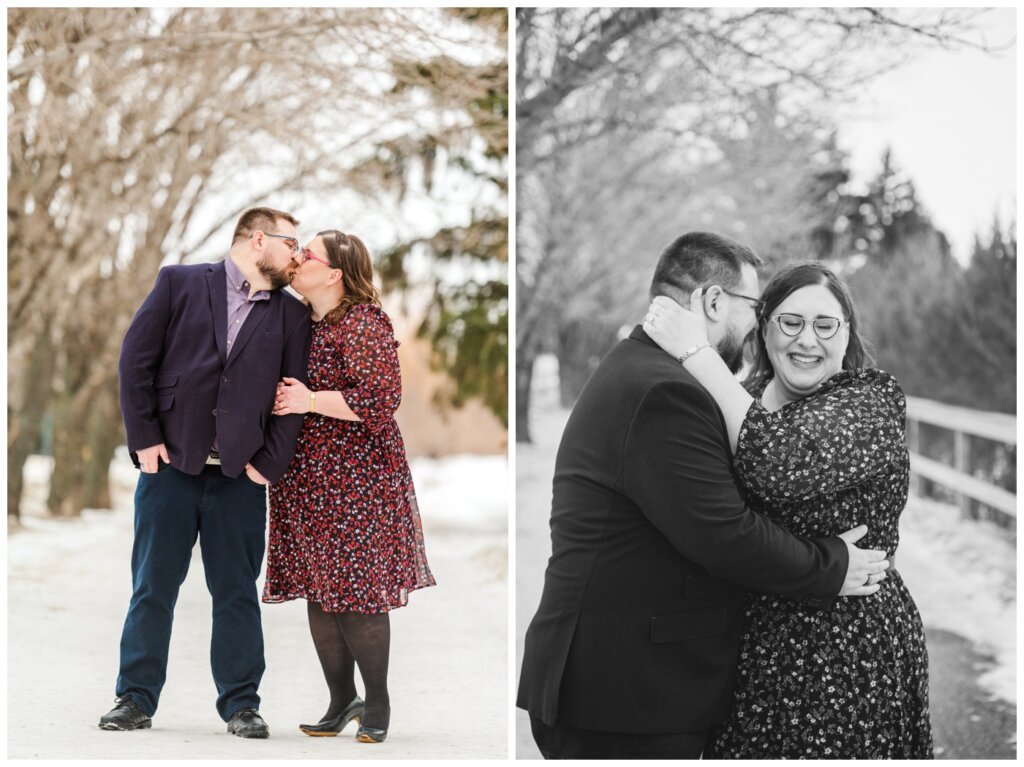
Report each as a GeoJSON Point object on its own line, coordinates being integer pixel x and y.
{"type": "Point", "coordinates": [293, 244]}
{"type": "Point", "coordinates": [792, 325]}
{"type": "Point", "coordinates": [757, 303]}
{"type": "Point", "coordinates": [305, 254]}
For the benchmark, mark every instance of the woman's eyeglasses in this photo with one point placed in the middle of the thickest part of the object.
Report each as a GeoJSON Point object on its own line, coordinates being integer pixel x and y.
{"type": "Point", "coordinates": [305, 254]}
{"type": "Point", "coordinates": [792, 325]}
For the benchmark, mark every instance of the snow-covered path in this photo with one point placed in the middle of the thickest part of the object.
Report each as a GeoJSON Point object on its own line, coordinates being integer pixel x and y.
{"type": "Point", "coordinates": [69, 586]}
{"type": "Point", "coordinates": [961, 574]}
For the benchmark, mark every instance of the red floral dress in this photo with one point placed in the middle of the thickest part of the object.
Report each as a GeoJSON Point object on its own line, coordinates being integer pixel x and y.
{"type": "Point", "coordinates": [344, 524]}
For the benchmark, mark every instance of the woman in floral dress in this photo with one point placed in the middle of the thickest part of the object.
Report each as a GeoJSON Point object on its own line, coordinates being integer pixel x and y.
{"type": "Point", "coordinates": [821, 451]}
{"type": "Point", "coordinates": [345, 531]}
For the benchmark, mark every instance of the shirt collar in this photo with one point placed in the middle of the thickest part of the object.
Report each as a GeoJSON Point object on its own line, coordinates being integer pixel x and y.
{"type": "Point", "coordinates": [241, 285]}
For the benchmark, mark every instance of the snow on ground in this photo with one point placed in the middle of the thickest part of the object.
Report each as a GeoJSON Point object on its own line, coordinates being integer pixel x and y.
{"type": "Point", "coordinates": [68, 589]}
{"type": "Point", "coordinates": [963, 575]}
{"type": "Point", "coordinates": [466, 492]}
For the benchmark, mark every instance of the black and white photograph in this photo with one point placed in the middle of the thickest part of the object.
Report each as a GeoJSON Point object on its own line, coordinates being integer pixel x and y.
{"type": "Point", "coordinates": [765, 383]}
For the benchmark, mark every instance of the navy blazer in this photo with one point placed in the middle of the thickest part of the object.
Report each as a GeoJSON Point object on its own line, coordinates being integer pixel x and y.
{"type": "Point", "coordinates": [653, 551]}
{"type": "Point", "coordinates": [180, 386]}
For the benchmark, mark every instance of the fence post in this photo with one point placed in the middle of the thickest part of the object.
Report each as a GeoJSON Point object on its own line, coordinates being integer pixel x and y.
{"type": "Point", "coordinates": [961, 462]}
{"type": "Point", "coordinates": [914, 446]}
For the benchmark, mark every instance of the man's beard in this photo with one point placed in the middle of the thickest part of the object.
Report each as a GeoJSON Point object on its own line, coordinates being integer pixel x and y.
{"type": "Point", "coordinates": [730, 349]}
{"type": "Point", "coordinates": [278, 278]}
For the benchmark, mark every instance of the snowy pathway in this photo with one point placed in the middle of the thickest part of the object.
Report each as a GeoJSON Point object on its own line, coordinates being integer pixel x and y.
{"type": "Point", "coordinates": [69, 586]}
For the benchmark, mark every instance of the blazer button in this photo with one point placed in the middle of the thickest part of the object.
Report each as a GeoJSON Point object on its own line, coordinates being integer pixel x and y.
{"type": "Point", "coordinates": [225, 379]}
{"type": "Point", "coordinates": [214, 411]}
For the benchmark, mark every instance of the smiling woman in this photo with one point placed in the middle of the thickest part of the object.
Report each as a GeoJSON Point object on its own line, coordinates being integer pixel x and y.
{"type": "Point", "coordinates": [809, 332]}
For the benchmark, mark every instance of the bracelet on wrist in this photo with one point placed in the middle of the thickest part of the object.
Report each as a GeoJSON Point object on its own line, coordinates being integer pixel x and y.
{"type": "Point", "coordinates": [691, 351]}
{"type": "Point", "coordinates": [312, 402]}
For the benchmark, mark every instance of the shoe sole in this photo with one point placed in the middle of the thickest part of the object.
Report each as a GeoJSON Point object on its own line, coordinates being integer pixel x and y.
{"type": "Point", "coordinates": [115, 726]}
{"type": "Point", "coordinates": [364, 738]}
{"type": "Point", "coordinates": [315, 734]}
{"type": "Point", "coordinates": [252, 734]}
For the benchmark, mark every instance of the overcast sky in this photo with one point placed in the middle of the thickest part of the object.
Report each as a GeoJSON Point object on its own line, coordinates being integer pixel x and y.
{"type": "Point", "coordinates": [949, 117]}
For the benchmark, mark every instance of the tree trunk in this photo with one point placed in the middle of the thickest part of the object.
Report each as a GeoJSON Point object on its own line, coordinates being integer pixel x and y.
{"type": "Point", "coordinates": [524, 382]}
{"type": "Point", "coordinates": [69, 451]}
{"type": "Point", "coordinates": [581, 346]}
{"type": "Point", "coordinates": [17, 453]}
{"type": "Point", "coordinates": [104, 438]}
{"type": "Point", "coordinates": [25, 422]}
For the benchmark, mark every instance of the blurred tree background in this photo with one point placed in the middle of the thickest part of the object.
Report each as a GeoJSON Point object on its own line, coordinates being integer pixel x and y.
{"type": "Point", "coordinates": [137, 136]}
{"type": "Point", "coordinates": [635, 125]}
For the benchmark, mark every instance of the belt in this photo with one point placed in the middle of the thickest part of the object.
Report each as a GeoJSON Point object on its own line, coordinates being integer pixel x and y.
{"type": "Point", "coordinates": [213, 459]}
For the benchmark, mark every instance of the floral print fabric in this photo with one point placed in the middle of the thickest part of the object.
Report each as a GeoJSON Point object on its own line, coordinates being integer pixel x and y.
{"type": "Point", "coordinates": [850, 681]}
{"type": "Point", "coordinates": [345, 528]}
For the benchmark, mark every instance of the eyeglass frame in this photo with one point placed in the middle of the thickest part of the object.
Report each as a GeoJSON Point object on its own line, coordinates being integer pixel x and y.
{"type": "Point", "coordinates": [803, 324]}
{"type": "Point", "coordinates": [758, 304]}
{"type": "Point", "coordinates": [307, 254]}
{"type": "Point", "coordinates": [295, 249]}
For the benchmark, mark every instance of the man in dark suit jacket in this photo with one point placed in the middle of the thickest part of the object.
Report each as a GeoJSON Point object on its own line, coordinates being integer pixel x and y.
{"type": "Point", "coordinates": [199, 370]}
{"type": "Point", "coordinates": [632, 652]}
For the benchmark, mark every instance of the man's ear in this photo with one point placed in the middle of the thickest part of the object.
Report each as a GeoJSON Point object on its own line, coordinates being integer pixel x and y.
{"type": "Point", "coordinates": [714, 303]}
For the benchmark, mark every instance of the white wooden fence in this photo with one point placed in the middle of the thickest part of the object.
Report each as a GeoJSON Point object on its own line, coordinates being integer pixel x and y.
{"type": "Point", "coordinates": [962, 421]}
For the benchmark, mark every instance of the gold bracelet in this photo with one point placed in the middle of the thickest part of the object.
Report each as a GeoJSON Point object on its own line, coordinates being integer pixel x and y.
{"type": "Point", "coordinates": [312, 402]}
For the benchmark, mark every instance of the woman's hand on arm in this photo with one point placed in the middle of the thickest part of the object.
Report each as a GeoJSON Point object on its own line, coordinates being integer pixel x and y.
{"type": "Point", "coordinates": [293, 396]}
{"type": "Point", "coordinates": [678, 330]}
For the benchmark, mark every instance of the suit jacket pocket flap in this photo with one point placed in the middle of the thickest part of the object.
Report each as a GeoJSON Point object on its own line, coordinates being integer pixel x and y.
{"type": "Point", "coordinates": [166, 380]}
{"type": "Point", "coordinates": [165, 401]}
{"type": "Point", "coordinates": [688, 625]}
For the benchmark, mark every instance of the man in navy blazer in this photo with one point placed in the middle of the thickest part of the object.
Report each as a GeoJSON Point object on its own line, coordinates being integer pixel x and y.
{"type": "Point", "coordinates": [199, 369]}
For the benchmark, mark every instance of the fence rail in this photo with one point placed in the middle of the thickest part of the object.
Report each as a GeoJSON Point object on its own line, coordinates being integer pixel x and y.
{"type": "Point", "coordinates": [963, 422]}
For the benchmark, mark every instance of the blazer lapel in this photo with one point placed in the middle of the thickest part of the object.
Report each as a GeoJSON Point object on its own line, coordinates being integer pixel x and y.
{"type": "Point", "coordinates": [253, 321]}
{"type": "Point", "coordinates": [217, 280]}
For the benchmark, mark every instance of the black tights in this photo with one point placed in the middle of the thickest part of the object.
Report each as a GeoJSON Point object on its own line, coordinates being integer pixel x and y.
{"type": "Point", "coordinates": [343, 641]}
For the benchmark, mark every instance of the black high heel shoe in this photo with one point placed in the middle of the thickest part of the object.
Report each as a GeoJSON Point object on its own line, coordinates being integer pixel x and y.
{"type": "Point", "coordinates": [373, 734]}
{"type": "Point", "coordinates": [331, 727]}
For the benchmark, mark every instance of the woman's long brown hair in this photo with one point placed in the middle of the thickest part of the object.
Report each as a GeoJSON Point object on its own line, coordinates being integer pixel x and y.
{"type": "Point", "coordinates": [348, 253]}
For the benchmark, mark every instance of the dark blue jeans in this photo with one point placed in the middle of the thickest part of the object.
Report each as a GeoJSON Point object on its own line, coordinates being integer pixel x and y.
{"type": "Point", "coordinates": [229, 517]}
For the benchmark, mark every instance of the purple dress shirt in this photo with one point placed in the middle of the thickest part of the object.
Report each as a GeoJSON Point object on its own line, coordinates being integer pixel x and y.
{"type": "Point", "coordinates": [239, 304]}
{"type": "Point", "coordinates": [239, 301]}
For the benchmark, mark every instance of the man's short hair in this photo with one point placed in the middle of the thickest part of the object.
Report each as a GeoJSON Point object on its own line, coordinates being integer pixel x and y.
{"type": "Point", "coordinates": [699, 259]}
{"type": "Point", "coordinates": [264, 219]}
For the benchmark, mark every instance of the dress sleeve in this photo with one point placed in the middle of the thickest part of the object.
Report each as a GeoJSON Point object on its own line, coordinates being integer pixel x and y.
{"type": "Point", "coordinates": [373, 378]}
{"type": "Point", "coordinates": [852, 430]}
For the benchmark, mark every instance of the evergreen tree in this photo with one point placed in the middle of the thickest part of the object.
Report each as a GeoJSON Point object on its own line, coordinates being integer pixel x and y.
{"type": "Point", "coordinates": [903, 275]}
{"type": "Point", "coordinates": [983, 325]}
{"type": "Point", "coordinates": [467, 317]}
